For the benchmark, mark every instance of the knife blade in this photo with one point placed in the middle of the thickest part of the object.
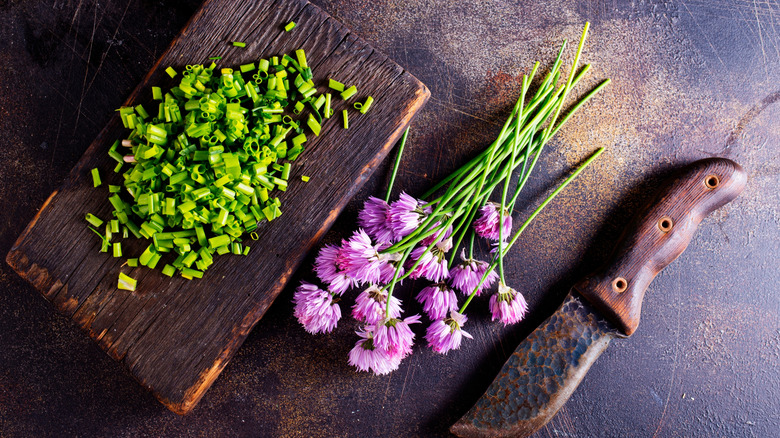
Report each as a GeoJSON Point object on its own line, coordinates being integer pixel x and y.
{"type": "Point", "coordinates": [549, 364]}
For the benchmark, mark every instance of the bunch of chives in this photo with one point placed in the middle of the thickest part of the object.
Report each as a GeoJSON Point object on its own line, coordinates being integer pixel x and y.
{"type": "Point", "coordinates": [412, 238]}
{"type": "Point", "coordinates": [531, 124]}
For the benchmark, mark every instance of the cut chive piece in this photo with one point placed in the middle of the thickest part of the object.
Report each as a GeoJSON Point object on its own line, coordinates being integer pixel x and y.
{"type": "Point", "coordinates": [349, 92]}
{"type": "Point", "coordinates": [157, 93]}
{"type": "Point", "coordinates": [132, 262]}
{"type": "Point", "coordinates": [366, 105]}
{"type": "Point", "coordinates": [346, 119]}
{"type": "Point", "coordinates": [94, 220]}
{"type": "Point", "coordinates": [239, 44]}
{"type": "Point", "coordinates": [117, 248]}
{"type": "Point", "coordinates": [171, 72]}
{"type": "Point", "coordinates": [301, 55]}
{"type": "Point", "coordinates": [327, 112]}
{"type": "Point", "coordinates": [289, 26]}
{"type": "Point", "coordinates": [304, 178]}
{"type": "Point", "coordinates": [335, 85]}
{"type": "Point", "coordinates": [247, 67]}
{"type": "Point", "coordinates": [215, 58]}
{"type": "Point", "coordinates": [126, 283]}
{"type": "Point", "coordinates": [313, 125]}
{"type": "Point", "coordinates": [96, 177]}
{"type": "Point", "coordinates": [168, 270]}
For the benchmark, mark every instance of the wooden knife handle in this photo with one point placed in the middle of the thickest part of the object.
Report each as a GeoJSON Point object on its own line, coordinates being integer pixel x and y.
{"type": "Point", "coordinates": [658, 235]}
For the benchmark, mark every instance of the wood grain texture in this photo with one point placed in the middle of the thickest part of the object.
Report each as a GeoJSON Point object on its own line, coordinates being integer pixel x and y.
{"type": "Point", "coordinates": [174, 335]}
{"type": "Point", "coordinates": [659, 233]}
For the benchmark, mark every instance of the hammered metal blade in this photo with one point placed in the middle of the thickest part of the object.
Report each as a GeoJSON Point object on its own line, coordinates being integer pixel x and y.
{"type": "Point", "coordinates": [541, 374]}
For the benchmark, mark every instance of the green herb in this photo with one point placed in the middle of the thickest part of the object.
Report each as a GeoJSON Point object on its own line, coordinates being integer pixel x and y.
{"type": "Point", "coordinates": [239, 44]}
{"type": "Point", "coordinates": [365, 105]}
{"type": "Point", "coordinates": [455, 201]}
{"type": "Point", "coordinates": [95, 177]}
{"type": "Point", "coordinates": [335, 85]}
{"type": "Point", "coordinates": [125, 282]}
{"type": "Point", "coordinates": [202, 165]}
{"type": "Point", "coordinates": [290, 26]}
{"type": "Point", "coordinates": [94, 220]}
{"type": "Point", "coordinates": [349, 92]}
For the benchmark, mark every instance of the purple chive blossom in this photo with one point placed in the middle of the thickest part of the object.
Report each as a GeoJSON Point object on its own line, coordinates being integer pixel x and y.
{"type": "Point", "coordinates": [394, 336]}
{"type": "Point", "coordinates": [370, 306]}
{"type": "Point", "coordinates": [327, 269]}
{"type": "Point", "coordinates": [439, 235]}
{"type": "Point", "coordinates": [465, 276]}
{"type": "Point", "coordinates": [387, 272]}
{"type": "Point", "coordinates": [366, 356]}
{"type": "Point", "coordinates": [433, 263]}
{"type": "Point", "coordinates": [508, 305]}
{"type": "Point", "coordinates": [315, 308]}
{"type": "Point", "coordinates": [486, 224]}
{"type": "Point", "coordinates": [444, 335]}
{"type": "Point", "coordinates": [359, 258]}
{"type": "Point", "coordinates": [406, 214]}
{"type": "Point", "coordinates": [375, 219]}
{"type": "Point", "coordinates": [437, 300]}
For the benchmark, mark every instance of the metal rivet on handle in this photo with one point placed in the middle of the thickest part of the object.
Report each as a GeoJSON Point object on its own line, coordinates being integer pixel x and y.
{"type": "Point", "coordinates": [619, 284]}
{"type": "Point", "coordinates": [665, 224]}
{"type": "Point", "coordinates": [711, 181]}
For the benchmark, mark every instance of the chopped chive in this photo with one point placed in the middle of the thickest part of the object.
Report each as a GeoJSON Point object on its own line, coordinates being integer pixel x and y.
{"type": "Point", "coordinates": [215, 58]}
{"type": "Point", "coordinates": [346, 119]}
{"type": "Point", "coordinates": [239, 44]}
{"type": "Point", "coordinates": [304, 178]}
{"type": "Point", "coordinates": [301, 55]}
{"type": "Point", "coordinates": [349, 92]}
{"type": "Point", "coordinates": [366, 105]}
{"type": "Point", "coordinates": [289, 26]}
{"type": "Point", "coordinates": [94, 220]}
{"type": "Point", "coordinates": [335, 85]}
{"type": "Point", "coordinates": [327, 111]}
{"type": "Point", "coordinates": [313, 125]}
{"type": "Point", "coordinates": [204, 158]}
{"type": "Point", "coordinates": [96, 177]}
{"type": "Point", "coordinates": [168, 270]}
{"type": "Point", "coordinates": [125, 282]}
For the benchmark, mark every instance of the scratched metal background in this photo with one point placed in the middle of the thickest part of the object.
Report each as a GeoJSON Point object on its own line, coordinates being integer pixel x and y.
{"type": "Point", "coordinates": [691, 79]}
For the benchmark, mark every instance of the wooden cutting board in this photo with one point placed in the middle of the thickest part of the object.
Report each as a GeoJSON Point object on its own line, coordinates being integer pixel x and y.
{"type": "Point", "coordinates": [174, 335]}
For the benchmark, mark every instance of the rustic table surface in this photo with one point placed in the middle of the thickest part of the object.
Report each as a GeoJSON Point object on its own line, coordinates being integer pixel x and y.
{"type": "Point", "coordinates": [690, 80]}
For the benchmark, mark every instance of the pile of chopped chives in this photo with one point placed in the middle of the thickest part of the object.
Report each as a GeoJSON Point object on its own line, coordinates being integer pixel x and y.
{"type": "Point", "coordinates": [204, 170]}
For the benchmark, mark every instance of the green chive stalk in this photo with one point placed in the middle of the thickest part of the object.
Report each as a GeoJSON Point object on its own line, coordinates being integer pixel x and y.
{"type": "Point", "coordinates": [455, 200]}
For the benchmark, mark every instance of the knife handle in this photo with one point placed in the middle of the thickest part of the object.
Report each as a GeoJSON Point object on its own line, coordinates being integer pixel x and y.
{"type": "Point", "coordinates": [657, 236]}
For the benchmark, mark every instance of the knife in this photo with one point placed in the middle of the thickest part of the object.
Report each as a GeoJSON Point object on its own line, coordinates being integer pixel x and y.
{"type": "Point", "coordinates": [549, 364]}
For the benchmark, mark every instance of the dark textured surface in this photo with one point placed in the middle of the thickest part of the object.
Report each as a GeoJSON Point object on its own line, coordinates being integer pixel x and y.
{"type": "Point", "coordinates": [690, 80]}
{"type": "Point", "coordinates": [540, 375]}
